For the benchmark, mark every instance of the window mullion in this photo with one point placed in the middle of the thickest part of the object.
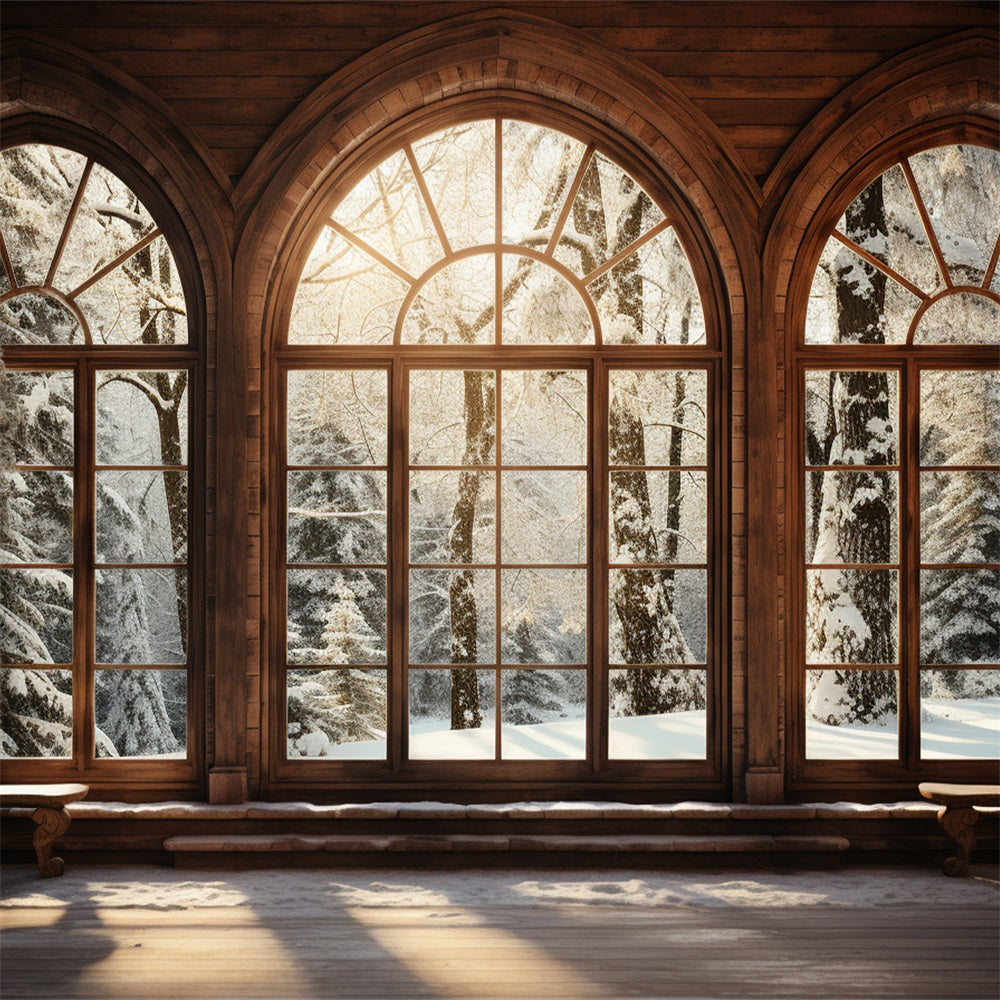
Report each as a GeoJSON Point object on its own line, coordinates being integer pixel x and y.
{"type": "Point", "coordinates": [597, 694]}
{"type": "Point", "coordinates": [398, 574]}
{"type": "Point", "coordinates": [84, 581]}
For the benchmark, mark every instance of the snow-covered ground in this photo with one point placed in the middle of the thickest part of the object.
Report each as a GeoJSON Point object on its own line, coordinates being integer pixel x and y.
{"type": "Point", "coordinates": [951, 729]}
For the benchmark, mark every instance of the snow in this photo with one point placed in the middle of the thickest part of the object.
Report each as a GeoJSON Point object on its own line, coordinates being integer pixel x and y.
{"type": "Point", "coordinates": [950, 729]}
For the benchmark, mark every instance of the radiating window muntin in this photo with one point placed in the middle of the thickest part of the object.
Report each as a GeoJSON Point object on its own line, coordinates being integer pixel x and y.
{"type": "Point", "coordinates": [97, 544]}
{"type": "Point", "coordinates": [900, 445]}
{"type": "Point", "coordinates": [493, 288]}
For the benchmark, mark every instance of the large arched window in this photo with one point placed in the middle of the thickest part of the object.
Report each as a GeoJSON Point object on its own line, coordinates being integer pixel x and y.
{"type": "Point", "coordinates": [97, 550]}
{"type": "Point", "coordinates": [898, 452]}
{"type": "Point", "coordinates": [496, 464]}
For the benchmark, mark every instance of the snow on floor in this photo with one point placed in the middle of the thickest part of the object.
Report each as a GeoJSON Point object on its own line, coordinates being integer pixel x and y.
{"type": "Point", "coordinates": [293, 891]}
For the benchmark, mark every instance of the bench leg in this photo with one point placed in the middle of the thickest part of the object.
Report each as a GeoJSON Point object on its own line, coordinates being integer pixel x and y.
{"type": "Point", "coordinates": [958, 823]}
{"type": "Point", "coordinates": [52, 824]}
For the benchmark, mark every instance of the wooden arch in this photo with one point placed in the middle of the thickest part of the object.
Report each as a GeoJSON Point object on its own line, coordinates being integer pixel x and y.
{"type": "Point", "coordinates": [485, 63]}
{"type": "Point", "coordinates": [936, 93]}
{"type": "Point", "coordinates": [512, 57]}
{"type": "Point", "coordinates": [56, 93]}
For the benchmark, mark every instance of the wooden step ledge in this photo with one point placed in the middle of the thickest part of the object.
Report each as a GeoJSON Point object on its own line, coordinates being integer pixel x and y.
{"type": "Point", "coordinates": [345, 843]}
{"type": "Point", "coordinates": [90, 809]}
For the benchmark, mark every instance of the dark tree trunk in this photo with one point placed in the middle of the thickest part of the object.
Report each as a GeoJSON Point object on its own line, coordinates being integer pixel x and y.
{"type": "Point", "coordinates": [480, 431]}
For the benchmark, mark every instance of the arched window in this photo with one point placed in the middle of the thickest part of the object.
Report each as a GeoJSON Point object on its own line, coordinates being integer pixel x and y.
{"type": "Point", "coordinates": [899, 475]}
{"type": "Point", "coordinates": [96, 543]}
{"type": "Point", "coordinates": [496, 462]}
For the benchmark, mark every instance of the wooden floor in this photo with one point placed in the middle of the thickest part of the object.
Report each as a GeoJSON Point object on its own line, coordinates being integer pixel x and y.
{"type": "Point", "coordinates": [445, 950]}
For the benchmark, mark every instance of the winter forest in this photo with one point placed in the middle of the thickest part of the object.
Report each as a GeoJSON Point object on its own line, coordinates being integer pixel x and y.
{"type": "Point", "coordinates": [886, 278]}
{"type": "Point", "coordinates": [496, 234]}
{"type": "Point", "coordinates": [84, 264]}
{"type": "Point", "coordinates": [496, 499]}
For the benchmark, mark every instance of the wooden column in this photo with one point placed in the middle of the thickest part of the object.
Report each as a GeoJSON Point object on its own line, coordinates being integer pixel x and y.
{"type": "Point", "coordinates": [227, 776]}
{"type": "Point", "coordinates": [764, 776]}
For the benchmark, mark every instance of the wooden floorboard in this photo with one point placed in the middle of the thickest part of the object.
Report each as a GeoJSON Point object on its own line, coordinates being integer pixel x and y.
{"type": "Point", "coordinates": [448, 950]}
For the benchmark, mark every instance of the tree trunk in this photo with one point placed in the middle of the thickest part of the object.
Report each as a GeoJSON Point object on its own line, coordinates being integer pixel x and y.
{"type": "Point", "coordinates": [861, 517]}
{"type": "Point", "coordinates": [480, 432]}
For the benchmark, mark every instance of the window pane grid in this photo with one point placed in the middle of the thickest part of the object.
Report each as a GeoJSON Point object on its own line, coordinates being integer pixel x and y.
{"type": "Point", "coordinates": [497, 304]}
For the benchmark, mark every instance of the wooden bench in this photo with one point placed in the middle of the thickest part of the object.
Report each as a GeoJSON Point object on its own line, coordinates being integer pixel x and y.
{"type": "Point", "coordinates": [50, 815]}
{"type": "Point", "coordinates": [958, 816]}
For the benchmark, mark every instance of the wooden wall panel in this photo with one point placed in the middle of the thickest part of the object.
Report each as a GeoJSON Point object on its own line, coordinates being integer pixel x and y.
{"type": "Point", "coordinates": [759, 70]}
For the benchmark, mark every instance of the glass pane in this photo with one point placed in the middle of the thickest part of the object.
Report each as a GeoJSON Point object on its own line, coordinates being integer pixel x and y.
{"type": "Point", "coordinates": [36, 625]}
{"type": "Point", "coordinates": [141, 713]}
{"type": "Point", "coordinates": [387, 211]}
{"type": "Point", "coordinates": [140, 302]}
{"type": "Point", "coordinates": [851, 615]}
{"type": "Point", "coordinates": [337, 417]}
{"type": "Point", "coordinates": [852, 517]}
{"type": "Point", "coordinates": [336, 616]}
{"type": "Point", "coordinates": [894, 232]}
{"type": "Point", "coordinates": [452, 616]}
{"type": "Point", "coordinates": [851, 417]}
{"type": "Point", "coordinates": [658, 615]}
{"type": "Point", "coordinates": [142, 417]}
{"type": "Point", "coordinates": [38, 517]}
{"type": "Point", "coordinates": [544, 417]}
{"type": "Point", "coordinates": [658, 517]}
{"type": "Point", "coordinates": [543, 517]}
{"type": "Point", "coordinates": [539, 165]}
{"type": "Point", "coordinates": [652, 297]}
{"type": "Point", "coordinates": [963, 318]}
{"type": "Point", "coordinates": [142, 615]}
{"type": "Point", "coordinates": [960, 517]}
{"type": "Point", "coordinates": [543, 714]}
{"type": "Point", "coordinates": [452, 714]}
{"type": "Point", "coordinates": [39, 423]}
{"type": "Point", "coordinates": [452, 517]}
{"type": "Point", "coordinates": [959, 417]}
{"type": "Point", "coordinates": [459, 166]}
{"type": "Point", "coordinates": [657, 417]}
{"type": "Point", "coordinates": [109, 221]}
{"type": "Point", "coordinates": [540, 306]}
{"type": "Point", "coordinates": [544, 616]}
{"type": "Point", "coordinates": [657, 714]}
{"type": "Point", "coordinates": [344, 296]}
{"type": "Point", "coordinates": [337, 713]}
{"type": "Point", "coordinates": [36, 713]}
{"type": "Point", "coordinates": [960, 185]}
{"type": "Point", "coordinates": [959, 714]}
{"type": "Point", "coordinates": [852, 302]}
{"type": "Point", "coordinates": [456, 306]}
{"type": "Point", "coordinates": [852, 715]}
{"type": "Point", "coordinates": [31, 318]}
{"type": "Point", "coordinates": [336, 517]}
{"type": "Point", "coordinates": [142, 517]}
{"type": "Point", "coordinates": [37, 187]}
{"type": "Point", "coordinates": [452, 417]}
{"type": "Point", "coordinates": [610, 212]}
{"type": "Point", "coordinates": [959, 616]}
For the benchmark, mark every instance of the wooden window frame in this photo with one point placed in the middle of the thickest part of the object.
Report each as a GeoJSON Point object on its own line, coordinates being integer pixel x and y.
{"type": "Point", "coordinates": [872, 777]}
{"type": "Point", "coordinates": [132, 776]}
{"type": "Point", "coordinates": [320, 777]}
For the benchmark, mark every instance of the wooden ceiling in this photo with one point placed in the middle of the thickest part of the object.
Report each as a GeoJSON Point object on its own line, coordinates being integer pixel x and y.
{"type": "Point", "coordinates": [760, 70]}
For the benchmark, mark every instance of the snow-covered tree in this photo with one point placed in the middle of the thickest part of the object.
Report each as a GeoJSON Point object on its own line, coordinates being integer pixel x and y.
{"type": "Point", "coordinates": [330, 707]}
{"type": "Point", "coordinates": [851, 613]}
